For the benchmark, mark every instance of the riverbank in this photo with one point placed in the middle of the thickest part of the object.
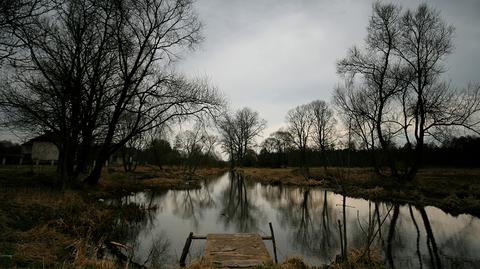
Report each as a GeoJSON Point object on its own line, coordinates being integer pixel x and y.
{"type": "Point", "coordinates": [151, 178]}
{"type": "Point", "coordinates": [454, 190]}
{"type": "Point", "coordinates": [42, 225]}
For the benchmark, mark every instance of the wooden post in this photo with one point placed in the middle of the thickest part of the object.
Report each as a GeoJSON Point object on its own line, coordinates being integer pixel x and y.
{"type": "Point", "coordinates": [186, 247]}
{"type": "Point", "coordinates": [273, 241]}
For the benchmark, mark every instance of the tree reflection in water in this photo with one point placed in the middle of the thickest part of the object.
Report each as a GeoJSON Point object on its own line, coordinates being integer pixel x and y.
{"type": "Point", "coordinates": [419, 254]}
{"type": "Point", "coordinates": [190, 204]}
{"type": "Point", "coordinates": [238, 208]}
{"type": "Point", "coordinates": [431, 244]}
{"type": "Point", "coordinates": [129, 230]}
{"type": "Point", "coordinates": [391, 234]}
{"type": "Point", "coordinates": [310, 220]}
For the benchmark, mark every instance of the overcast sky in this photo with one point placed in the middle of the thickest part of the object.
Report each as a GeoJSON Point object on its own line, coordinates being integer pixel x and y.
{"type": "Point", "coordinates": [274, 55]}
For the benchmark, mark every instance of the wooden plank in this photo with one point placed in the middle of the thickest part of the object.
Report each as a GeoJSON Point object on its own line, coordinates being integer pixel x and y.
{"type": "Point", "coordinates": [235, 251]}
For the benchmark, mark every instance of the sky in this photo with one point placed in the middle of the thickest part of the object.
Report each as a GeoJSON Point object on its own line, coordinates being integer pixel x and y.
{"type": "Point", "coordinates": [272, 55]}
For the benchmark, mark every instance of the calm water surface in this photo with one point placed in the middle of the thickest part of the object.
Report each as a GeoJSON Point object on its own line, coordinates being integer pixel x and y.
{"type": "Point", "coordinates": [305, 222]}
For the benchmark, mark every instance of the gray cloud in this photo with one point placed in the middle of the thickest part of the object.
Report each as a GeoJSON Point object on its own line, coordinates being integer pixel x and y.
{"type": "Point", "coordinates": [274, 55]}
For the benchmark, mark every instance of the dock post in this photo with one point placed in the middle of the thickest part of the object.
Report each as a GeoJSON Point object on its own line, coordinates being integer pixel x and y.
{"type": "Point", "coordinates": [186, 247]}
{"type": "Point", "coordinates": [273, 241]}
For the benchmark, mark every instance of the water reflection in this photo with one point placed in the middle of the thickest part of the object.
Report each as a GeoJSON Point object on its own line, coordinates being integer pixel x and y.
{"type": "Point", "coordinates": [305, 221]}
{"type": "Point", "coordinates": [311, 220]}
{"type": "Point", "coordinates": [238, 206]}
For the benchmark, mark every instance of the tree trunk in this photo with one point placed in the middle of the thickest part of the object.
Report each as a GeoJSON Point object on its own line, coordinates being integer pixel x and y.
{"type": "Point", "coordinates": [324, 157]}
{"type": "Point", "coordinates": [102, 157]}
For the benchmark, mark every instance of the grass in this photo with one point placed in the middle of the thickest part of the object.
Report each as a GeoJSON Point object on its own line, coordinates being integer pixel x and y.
{"type": "Point", "coordinates": [43, 226]}
{"type": "Point", "coordinates": [452, 189]}
{"type": "Point", "coordinates": [116, 182]}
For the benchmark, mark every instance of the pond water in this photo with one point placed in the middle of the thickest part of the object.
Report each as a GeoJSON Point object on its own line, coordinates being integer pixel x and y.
{"type": "Point", "coordinates": [305, 222]}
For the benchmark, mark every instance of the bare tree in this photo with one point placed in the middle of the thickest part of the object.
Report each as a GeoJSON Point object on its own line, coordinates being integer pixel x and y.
{"type": "Point", "coordinates": [91, 63]}
{"type": "Point", "coordinates": [194, 145]}
{"type": "Point", "coordinates": [227, 129]}
{"type": "Point", "coordinates": [278, 143]}
{"type": "Point", "coordinates": [299, 121]}
{"type": "Point", "coordinates": [426, 39]}
{"type": "Point", "coordinates": [401, 91]}
{"type": "Point", "coordinates": [239, 131]}
{"type": "Point", "coordinates": [323, 127]}
{"type": "Point", "coordinates": [13, 15]}
{"type": "Point", "coordinates": [358, 108]}
{"type": "Point", "coordinates": [379, 69]}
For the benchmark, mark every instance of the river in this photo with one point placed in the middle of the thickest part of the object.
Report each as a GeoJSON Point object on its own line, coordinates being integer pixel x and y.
{"type": "Point", "coordinates": [305, 222]}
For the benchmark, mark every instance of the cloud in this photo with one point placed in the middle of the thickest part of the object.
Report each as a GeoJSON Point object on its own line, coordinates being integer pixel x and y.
{"type": "Point", "coordinates": [274, 55]}
{"type": "Point", "coordinates": [271, 57]}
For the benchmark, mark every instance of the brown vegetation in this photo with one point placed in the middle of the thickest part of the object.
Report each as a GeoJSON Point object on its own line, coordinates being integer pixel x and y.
{"type": "Point", "coordinates": [355, 261]}
{"type": "Point", "coordinates": [148, 177]}
{"type": "Point", "coordinates": [43, 227]}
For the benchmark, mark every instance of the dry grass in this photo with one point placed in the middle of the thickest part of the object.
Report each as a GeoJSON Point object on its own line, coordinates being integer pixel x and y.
{"type": "Point", "coordinates": [41, 226]}
{"type": "Point", "coordinates": [293, 176]}
{"type": "Point", "coordinates": [151, 177]}
{"type": "Point", "coordinates": [357, 260]}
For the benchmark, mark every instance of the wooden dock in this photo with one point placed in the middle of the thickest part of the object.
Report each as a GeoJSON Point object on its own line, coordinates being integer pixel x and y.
{"type": "Point", "coordinates": [235, 251]}
{"type": "Point", "coordinates": [239, 250]}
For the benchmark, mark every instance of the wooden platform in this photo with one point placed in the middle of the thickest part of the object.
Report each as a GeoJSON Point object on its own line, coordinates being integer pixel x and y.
{"type": "Point", "coordinates": [235, 251]}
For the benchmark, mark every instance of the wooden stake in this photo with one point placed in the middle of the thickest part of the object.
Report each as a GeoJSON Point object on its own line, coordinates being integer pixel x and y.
{"type": "Point", "coordinates": [273, 241]}
{"type": "Point", "coordinates": [186, 247]}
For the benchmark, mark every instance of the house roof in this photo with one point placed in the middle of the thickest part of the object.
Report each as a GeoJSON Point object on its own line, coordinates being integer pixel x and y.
{"type": "Point", "coordinates": [47, 137]}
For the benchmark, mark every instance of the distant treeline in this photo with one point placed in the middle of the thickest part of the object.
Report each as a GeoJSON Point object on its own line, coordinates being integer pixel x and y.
{"type": "Point", "coordinates": [158, 152]}
{"type": "Point", "coordinates": [458, 152]}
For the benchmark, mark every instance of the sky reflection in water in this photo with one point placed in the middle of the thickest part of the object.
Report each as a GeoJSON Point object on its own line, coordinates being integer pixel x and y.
{"type": "Point", "coordinates": [305, 224]}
